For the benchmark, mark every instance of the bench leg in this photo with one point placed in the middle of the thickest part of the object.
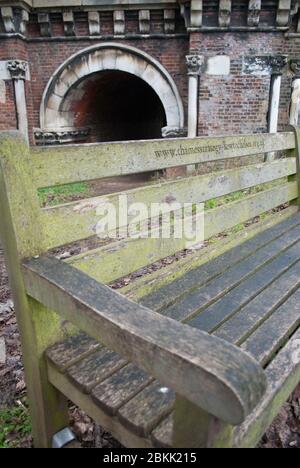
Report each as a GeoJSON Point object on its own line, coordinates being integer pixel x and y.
{"type": "Point", "coordinates": [194, 428]}
{"type": "Point", "coordinates": [48, 407]}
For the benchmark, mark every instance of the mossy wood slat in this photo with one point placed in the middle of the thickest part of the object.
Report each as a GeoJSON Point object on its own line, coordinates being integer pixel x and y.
{"type": "Point", "coordinates": [184, 357]}
{"type": "Point", "coordinates": [144, 403]}
{"type": "Point", "coordinates": [68, 353]}
{"type": "Point", "coordinates": [109, 423]}
{"type": "Point", "coordinates": [275, 331]}
{"type": "Point", "coordinates": [194, 278]}
{"type": "Point", "coordinates": [141, 404]}
{"type": "Point", "coordinates": [64, 165]}
{"type": "Point", "coordinates": [78, 220]}
{"type": "Point", "coordinates": [123, 257]}
{"type": "Point", "coordinates": [273, 270]}
{"type": "Point", "coordinates": [142, 414]}
{"type": "Point", "coordinates": [239, 327]}
{"type": "Point", "coordinates": [283, 376]}
{"type": "Point", "coordinates": [93, 369]}
{"type": "Point", "coordinates": [120, 388]}
{"type": "Point", "coordinates": [104, 374]}
{"type": "Point", "coordinates": [146, 285]}
{"type": "Point", "coordinates": [206, 295]}
{"type": "Point", "coordinates": [216, 314]}
{"type": "Point", "coordinates": [233, 214]}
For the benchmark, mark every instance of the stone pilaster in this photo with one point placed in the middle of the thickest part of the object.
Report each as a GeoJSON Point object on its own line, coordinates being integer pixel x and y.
{"type": "Point", "coordinates": [277, 64]}
{"type": "Point", "coordinates": [18, 70]}
{"type": "Point", "coordinates": [194, 65]}
{"type": "Point", "coordinates": [295, 94]}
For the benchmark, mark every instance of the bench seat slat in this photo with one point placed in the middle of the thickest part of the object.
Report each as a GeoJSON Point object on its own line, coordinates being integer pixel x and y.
{"type": "Point", "coordinates": [121, 387]}
{"type": "Point", "coordinates": [77, 220]}
{"type": "Point", "coordinates": [216, 314]}
{"type": "Point", "coordinates": [146, 286]}
{"type": "Point", "coordinates": [95, 368]}
{"type": "Point", "coordinates": [207, 294]}
{"type": "Point", "coordinates": [121, 258]}
{"type": "Point", "coordinates": [143, 413]}
{"type": "Point", "coordinates": [283, 375]}
{"type": "Point", "coordinates": [64, 165]}
{"type": "Point", "coordinates": [197, 277]}
{"type": "Point", "coordinates": [68, 353]}
{"type": "Point", "coordinates": [275, 331]}
{"type": "Point", "coordinates": [251, 316]}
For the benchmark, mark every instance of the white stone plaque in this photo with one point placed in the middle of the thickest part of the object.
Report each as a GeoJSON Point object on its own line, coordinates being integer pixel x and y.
{"type": "Point", "coordinates": [218, 65]}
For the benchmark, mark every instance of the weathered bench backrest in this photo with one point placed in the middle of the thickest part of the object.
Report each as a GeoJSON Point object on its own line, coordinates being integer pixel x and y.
{"type": "Point", "coordinates": [64, 224]}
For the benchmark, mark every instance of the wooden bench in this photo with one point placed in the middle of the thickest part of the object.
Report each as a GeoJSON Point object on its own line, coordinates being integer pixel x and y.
{"type": "Point", "coordinates": [200, 353]}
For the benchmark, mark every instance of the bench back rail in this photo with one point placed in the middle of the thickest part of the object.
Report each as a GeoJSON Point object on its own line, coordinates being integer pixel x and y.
{"type": "Point", "coordinates": [70, 222]}
{"type": "Point", "coordinates": [64, 224]}
{"type": "Point", "coordinates": [65, 165]}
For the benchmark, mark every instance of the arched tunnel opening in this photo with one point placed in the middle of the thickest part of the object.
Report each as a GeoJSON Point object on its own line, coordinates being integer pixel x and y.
{"type": "Point", "coordinates": [118, 106]}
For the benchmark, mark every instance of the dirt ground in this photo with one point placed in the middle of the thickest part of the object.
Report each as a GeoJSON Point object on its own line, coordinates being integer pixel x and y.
{"type": "Point", "coordinates": [284, 433]}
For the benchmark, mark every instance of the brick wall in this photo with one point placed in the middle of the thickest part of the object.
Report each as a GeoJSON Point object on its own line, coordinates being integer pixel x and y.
{"type": "Point", "coordinates": [238, 103]}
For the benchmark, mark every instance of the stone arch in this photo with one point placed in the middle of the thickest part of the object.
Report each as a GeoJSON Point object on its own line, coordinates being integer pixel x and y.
{"type": "Point", "coordinates": [56, 110]}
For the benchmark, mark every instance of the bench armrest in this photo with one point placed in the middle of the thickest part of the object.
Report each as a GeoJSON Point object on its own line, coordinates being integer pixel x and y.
{"type": "Point", "coordinates": [209, 372]}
